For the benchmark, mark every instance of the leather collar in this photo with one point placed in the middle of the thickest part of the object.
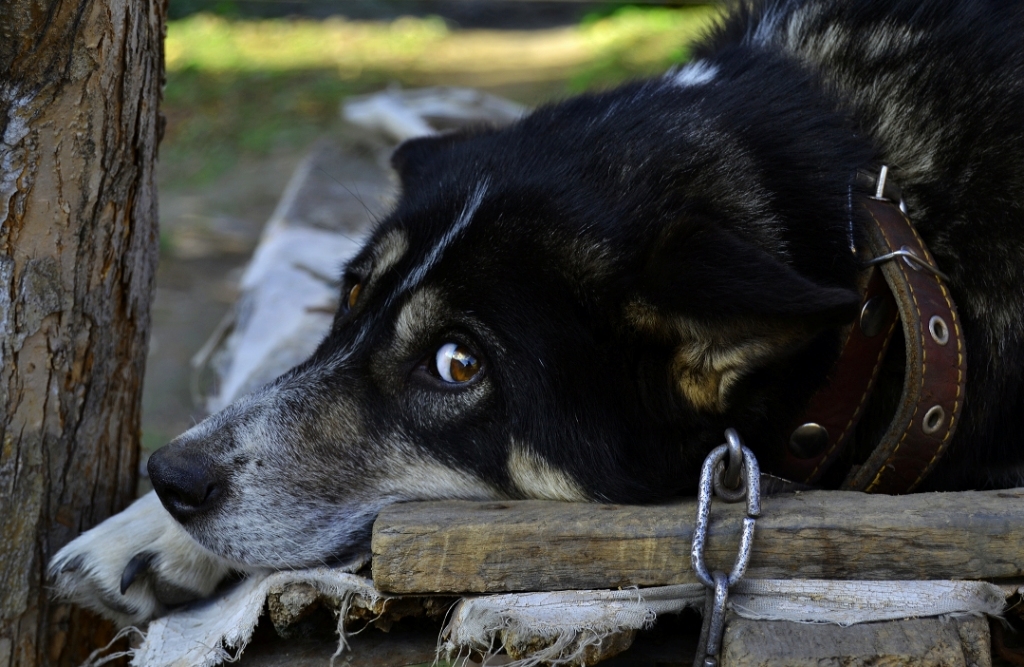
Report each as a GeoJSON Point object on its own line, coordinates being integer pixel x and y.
{"type": "Point", "coordinates": [904, 286]}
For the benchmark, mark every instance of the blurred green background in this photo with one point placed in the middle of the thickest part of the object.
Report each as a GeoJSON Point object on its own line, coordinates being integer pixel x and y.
{"type": "Point", "coordinates": [240, 86]}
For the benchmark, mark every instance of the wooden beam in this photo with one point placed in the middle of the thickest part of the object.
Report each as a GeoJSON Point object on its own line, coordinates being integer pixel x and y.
{"type": "Point", "coordinates": [915, 642]}
{"type": "Point", "coordinates": [466, 547]}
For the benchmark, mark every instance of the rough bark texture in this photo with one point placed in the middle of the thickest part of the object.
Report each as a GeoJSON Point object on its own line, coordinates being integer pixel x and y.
{"type": "Point", "coordinates": [79, 93]}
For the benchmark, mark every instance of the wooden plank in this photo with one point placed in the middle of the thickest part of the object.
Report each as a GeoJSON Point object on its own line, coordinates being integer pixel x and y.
{"type": "Point", "coordinates": [920, 642]}
{"type": "Point", "coordinates": [465, 547]}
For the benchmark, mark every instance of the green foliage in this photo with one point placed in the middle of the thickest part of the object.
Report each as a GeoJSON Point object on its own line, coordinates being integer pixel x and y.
{"type": "Point", "coordinates": [178, 9]}
{"type": "Point", "coordinates": [214, 118]}
{"type": "Point", "coordinates": [238, 88]}
{"type": "Point", "coordinates": [215, 43]}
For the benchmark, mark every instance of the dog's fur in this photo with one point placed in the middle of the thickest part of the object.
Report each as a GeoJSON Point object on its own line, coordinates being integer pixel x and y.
{"type": "Point", "coordinates": [635, 271]}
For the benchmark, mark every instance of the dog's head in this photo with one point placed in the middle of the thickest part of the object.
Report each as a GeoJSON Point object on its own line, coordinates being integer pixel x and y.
{"type": "Point", "coordinates": [571, 308]}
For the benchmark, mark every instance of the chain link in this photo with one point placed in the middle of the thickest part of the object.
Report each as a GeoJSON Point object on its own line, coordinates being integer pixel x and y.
{"type": "Point", "coordinates": [740, 479]}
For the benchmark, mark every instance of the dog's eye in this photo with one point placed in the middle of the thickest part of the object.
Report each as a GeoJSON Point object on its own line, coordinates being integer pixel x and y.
{"type": "Point", "coordinates": [353, 295]}
{"type": "Point", "coordinates": [456, 364]}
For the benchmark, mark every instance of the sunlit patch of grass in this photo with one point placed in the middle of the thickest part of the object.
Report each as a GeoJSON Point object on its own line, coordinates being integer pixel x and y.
{"type": "Point", "coordinates": [213, 43]}
{"type": "Point", "coordinates": [637, 37]}
{"type": "Point", "coordinates": [249, 87]}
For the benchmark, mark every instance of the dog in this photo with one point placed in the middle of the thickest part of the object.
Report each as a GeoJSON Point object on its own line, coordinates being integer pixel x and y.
{"type": "Point", "coordinates": [576, 306]}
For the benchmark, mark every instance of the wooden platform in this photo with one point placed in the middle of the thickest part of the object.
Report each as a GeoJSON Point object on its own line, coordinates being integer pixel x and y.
{"type": "Point", "coordinates": [463, 547]}
{"type": "Point", "coordinates": [454, 547]}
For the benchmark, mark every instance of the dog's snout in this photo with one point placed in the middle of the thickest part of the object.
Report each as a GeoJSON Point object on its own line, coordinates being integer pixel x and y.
{"type": "Point", "coordinates": [186, 481]}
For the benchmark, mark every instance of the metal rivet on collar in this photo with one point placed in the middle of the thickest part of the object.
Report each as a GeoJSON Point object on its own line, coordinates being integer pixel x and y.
{"type": "Point", "coordinates": [808, 440]}
{"type": "Point", "coordinates": [938, 329]}
{"type": "Point", "coordinates": [933, 419]}
{"type": "Point", "coordinates": [873, 315]}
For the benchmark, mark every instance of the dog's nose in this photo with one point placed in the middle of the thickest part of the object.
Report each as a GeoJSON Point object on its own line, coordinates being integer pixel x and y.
{"type": "Point", "coordinates": [185, 481]}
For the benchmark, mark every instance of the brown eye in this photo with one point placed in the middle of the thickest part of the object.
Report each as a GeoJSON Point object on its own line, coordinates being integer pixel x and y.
{"type": "Point", "coordinates": [456, 364]}
{"type": "Point", "coordinates": [353, 295]}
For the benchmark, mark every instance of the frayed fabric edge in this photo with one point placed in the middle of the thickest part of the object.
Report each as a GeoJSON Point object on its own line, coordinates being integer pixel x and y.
{"type": "Point", "coordinates": [559, 628]}
{"type": "Point", "coordinates": [562, 627]}
{"type": "Point", "coordinates": [216, 631]}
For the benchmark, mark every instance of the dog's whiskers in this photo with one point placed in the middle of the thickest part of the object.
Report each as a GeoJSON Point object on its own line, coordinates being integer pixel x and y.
{"type": "Point", "coordinates": [373, 217]}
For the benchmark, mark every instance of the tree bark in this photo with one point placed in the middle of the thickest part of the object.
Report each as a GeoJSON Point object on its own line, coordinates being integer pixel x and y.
{"type": "Point", "coordinates": [80, 88]}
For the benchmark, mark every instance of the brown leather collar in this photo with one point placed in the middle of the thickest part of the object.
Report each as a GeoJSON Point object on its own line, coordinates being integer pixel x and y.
{"type": "Point", "coordinates": [904, 285]}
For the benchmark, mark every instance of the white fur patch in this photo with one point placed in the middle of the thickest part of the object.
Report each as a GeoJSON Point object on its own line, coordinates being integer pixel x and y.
{"type": "Point", "coordinates": [468, 211]}
{"type": "Point", "coordinates": [694, 74]}
{"type": "Point", "coordinates": [537, 478]}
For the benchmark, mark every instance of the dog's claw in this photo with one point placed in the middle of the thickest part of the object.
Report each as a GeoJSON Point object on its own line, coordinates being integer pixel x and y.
{"type": "Point", "coordinates": [136, 566]}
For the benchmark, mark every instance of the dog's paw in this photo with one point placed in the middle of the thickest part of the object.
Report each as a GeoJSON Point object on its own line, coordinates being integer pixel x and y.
{"type": "Point", "coordinates": [135, 565]}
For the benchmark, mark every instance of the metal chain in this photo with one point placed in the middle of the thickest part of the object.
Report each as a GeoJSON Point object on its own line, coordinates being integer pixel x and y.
{"type": "Point", "coordinates": [740, 479]}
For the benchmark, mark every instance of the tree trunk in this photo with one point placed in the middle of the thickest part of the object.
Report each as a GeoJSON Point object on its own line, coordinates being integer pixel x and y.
{"type": "Point", "coordinates": [79, 93]}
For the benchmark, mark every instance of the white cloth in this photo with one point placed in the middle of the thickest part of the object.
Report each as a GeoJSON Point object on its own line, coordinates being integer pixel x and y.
{"type": "Point", "coordinates": [561, 626]}
{"type": "Point", "coordinates": [558, 626]}
{"type": "Point", "coordinates": [211, 632]}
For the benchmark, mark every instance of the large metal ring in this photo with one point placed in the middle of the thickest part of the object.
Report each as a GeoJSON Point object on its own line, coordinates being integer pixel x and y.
{"type": "Point", "coordinates": [752, 491]}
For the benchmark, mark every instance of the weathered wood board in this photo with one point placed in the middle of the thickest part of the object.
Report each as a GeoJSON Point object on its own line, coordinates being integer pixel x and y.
{"type": "Point", "coordinates": [466, 547]}
{"type": "Point", "coordinates": [919, 642]}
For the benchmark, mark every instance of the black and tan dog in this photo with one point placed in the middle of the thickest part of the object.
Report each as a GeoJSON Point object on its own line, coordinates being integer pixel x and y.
{"type": "Point", "coordinates": [576, 306]}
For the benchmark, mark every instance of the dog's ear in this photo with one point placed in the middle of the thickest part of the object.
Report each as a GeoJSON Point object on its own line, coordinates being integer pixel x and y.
{"type": "Point", "coordinates": [416, 159]}
{"type": "Point", "coordinates": [730, 308]}
{"type": "Point", "coordinates": [711, 273]}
